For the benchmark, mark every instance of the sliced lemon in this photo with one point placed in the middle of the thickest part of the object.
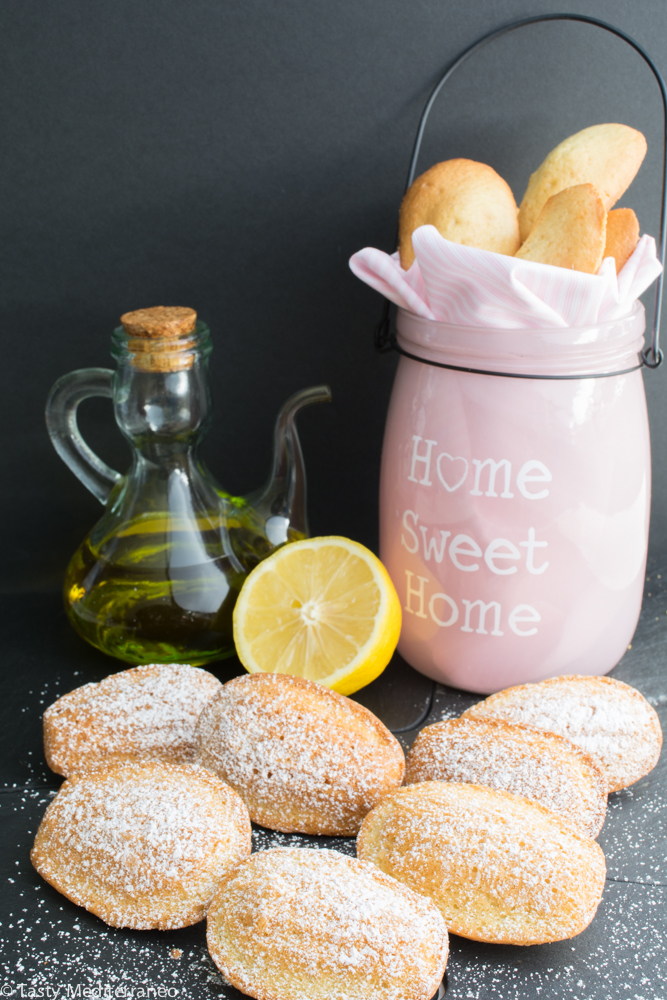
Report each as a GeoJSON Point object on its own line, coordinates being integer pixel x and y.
{"type": "Point", "coordinates": [322, 608]}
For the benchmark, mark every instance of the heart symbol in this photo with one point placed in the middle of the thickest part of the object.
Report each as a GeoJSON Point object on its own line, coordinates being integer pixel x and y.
{"type": "Point", "coordinates": [460, 482]}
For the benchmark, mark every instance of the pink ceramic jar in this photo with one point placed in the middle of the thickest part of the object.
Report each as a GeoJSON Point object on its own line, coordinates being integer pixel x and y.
{"type": "Point", "coordinates": [514, 512]}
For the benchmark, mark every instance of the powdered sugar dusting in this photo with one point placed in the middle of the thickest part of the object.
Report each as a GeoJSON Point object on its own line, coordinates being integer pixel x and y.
{"type": "Point", "coordinates": [538, 765]}
{"type": "Point", "coordinates": [146, 712]}
{"type": "Point", "coordinates": [500, 868]}
{"type": "Point", "coordinates": [621, 953]}
{"type": "Point", "coordinates": [142, 845]}
{"type": "Point", "coordinates": [294, 923]}
{"type": "Point", "coordinates": [301, 757]}
{"type": "Point", "coordinates": [610, 720]}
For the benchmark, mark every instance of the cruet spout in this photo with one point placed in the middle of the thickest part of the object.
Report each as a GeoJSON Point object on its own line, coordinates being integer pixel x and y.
{"type": "Point", "coordinates": [281, 504]}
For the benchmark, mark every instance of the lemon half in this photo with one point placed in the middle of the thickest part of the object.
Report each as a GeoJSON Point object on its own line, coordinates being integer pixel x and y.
{"type": "Point", "coordinates": [322, 608]}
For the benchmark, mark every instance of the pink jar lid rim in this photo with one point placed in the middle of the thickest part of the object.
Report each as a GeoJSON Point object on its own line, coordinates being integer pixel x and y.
{"type": "Point", "coordinates": [608, 348]}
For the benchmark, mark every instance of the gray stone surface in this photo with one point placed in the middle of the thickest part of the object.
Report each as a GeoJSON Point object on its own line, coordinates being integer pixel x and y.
{"type": "Point", "coordinates": [46, 940]}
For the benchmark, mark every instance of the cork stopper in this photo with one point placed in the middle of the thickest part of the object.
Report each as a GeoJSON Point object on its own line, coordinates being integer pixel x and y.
{"type": "Point", "coordinates": [160, 321]}
{"type": "Point", "coordinates": [157, 338]}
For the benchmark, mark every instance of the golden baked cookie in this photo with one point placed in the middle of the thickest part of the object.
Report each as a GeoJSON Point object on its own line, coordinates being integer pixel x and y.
{"type": "Point", "coordinates": [538, 765]}
{"type": "Point", "coordinates": [622, 236]}
{"type": "Point", "coordinates": [144, 844]}
{"type": "Point", "coordinates": [607, 156]}
{"type": "Point", "coordinates": [498, 867]}
{"type": "Point", "coordinates": [467, 202]}
{"type": "Point", "coordinates": [146, 712]}
{"type": "Point", "coordinates": [569, 231]}
{"type": "Point", "coordinates": [303, 758]}
{"type": "Point", "coordinates": [608, 719]}
{"type": "Point", "coordinates": [292, 924]}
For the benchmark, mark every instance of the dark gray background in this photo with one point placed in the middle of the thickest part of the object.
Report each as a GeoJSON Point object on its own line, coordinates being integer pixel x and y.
{"type": "Point", "coordinates": [230, 156]}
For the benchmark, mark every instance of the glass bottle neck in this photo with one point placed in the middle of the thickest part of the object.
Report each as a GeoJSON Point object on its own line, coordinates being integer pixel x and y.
{"type": "Point", "coordinates": [162, 354]}
{"type": "Point", "coordinates": [161, 393]}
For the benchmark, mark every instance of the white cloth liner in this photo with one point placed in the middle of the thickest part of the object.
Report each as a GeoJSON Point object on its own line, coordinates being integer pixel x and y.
{"type": "Point", "coordinates": [470, 287]}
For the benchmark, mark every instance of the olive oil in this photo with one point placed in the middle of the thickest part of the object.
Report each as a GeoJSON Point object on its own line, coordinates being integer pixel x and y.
{"type": "Point", "coordinates": [157, 592]}
{"type": "Point", "coordinates": [157, 578]}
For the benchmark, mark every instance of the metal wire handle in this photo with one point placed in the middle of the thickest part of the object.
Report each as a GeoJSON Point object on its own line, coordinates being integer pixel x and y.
{"type": "Point", "coordinates": [652, 356]}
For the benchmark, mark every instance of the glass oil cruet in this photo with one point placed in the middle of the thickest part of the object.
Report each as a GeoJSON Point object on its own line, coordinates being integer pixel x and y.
{"type": "Point", "coordinates": [157, 578]}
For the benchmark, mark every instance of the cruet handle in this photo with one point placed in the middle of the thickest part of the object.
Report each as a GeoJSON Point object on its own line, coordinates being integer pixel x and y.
{"type": "Point", "coordinates": [61, 407]}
